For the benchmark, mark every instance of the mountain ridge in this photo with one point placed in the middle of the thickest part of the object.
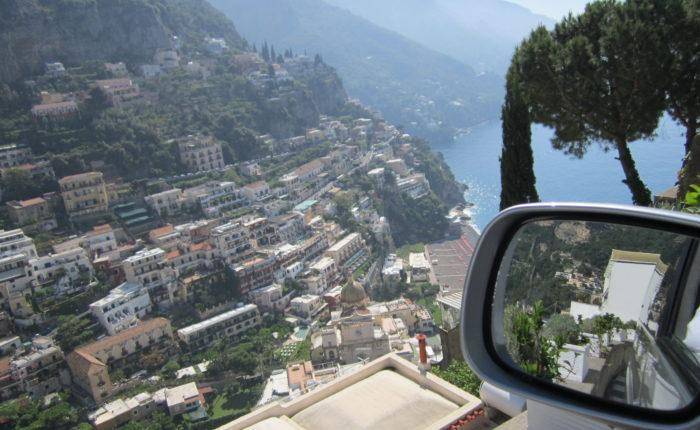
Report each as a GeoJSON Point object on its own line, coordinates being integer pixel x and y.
{"type": "Point", "coordinates": [480, 33]}
{"type": "Point", "coordinates": [33, 32]}
{"type": "Point", "coordinates": [423, 90]}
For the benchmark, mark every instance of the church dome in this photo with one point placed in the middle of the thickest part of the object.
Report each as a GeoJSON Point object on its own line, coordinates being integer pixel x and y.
{"type": "Point", "coordinates": [353, 293]}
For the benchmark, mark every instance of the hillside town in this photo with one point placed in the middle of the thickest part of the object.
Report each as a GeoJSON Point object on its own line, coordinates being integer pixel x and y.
{"type": "Point", "coordinates": [150, 295]}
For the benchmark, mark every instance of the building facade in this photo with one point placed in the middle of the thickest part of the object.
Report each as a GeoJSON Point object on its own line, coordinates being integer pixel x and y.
{"type": "Point", "coordinates": [122, 308]}
{"type": "Point", "coordinates": [200, 153]}
{"type": "Point", "coordinates": [84, 194]}
{"type": "Point", "coordinates": [228, 325]}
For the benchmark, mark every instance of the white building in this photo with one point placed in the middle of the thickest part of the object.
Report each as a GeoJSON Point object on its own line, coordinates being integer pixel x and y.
{"type": "Point", "coordinates": [345, 248]}
{"type": "Point", "coordinates": [101, 241]}
{"type": "Point", "coordinates": [183, 399]}
{"type": "Point", "coordinates": [308, 306]}
{"type": "Point", "coordinates": [149, 268]}
{"type": "Point", "coordinates": [231, 242]}
{"type": "Point", "coordinates": [14, 155]}
{"type": "Point", "coordinates": [415, 185]}
{"type": "Point", "coordinates": [391, 272]}
{"type": "Point", "coordinates": [630, 284]}
{"type": "Point", "coordinates": [420, 268]}
{"type": "Point", "coordinates": [215, 45]}
{"type": "Point", "coordinates": [270, 298]}
{"type": "Point", "coordinates": [228, 325]}
{"type": "Point", "coordinates": [15, 242]}
{"type": "Point", "coordinates": [65, 271]}
{"type": "Point", "coordinates": [322, 273]}
{"type": "Point", "coordinates": [166, 202]}
{"type": "Point", "coordinates": [14, 279]}
{"type": "Point", "coordinates": [122, 307]}
{"type": "Point", "coordinates": [257, 191]}
{"type": "Point", "coordinates": [215, 197]}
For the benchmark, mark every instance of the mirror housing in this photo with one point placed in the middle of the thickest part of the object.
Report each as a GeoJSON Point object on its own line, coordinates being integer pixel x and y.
{"type": "Point", "coordinates": [476, 319]}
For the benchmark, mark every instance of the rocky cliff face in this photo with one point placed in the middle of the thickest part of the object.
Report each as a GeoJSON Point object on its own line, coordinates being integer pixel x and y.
{"type": "Point", "coordinates": [33, 32]}
{"type": "Point", "coordinates": [326, 89]}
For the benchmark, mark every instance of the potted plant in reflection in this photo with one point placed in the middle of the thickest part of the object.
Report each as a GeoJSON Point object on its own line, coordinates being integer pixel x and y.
{"type": "Point", "coordinates": [573, 348]}
{"type": "Point", "coordinates": [526, 343]}
{"type": "Point", "coordinates": [603, 327]}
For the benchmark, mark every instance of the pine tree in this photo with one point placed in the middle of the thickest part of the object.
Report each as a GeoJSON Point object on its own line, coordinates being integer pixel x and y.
{"type": "Point", "coordinates": [599, 77]}
{"type": "Point", "coordinates": [280, 59]}
{"type": "Point", "coordinates": [682, 33]}
{"type": "Point", "coordinates": [273, 56]}
{"type": "Point", "coordinates": [255, 48]}
{"type": "Point", "coordinates": [517, 162]}
{"type": "Point", "coordinates": [265, 52]}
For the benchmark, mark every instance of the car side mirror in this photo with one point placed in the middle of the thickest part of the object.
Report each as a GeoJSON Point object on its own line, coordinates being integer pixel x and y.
{"type": "Point", "coordinates": [592, 309]}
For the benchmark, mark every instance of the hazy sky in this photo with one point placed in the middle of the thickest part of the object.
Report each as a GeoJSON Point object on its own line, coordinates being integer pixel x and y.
{"type": "Point", "coordinates": [553, 8]}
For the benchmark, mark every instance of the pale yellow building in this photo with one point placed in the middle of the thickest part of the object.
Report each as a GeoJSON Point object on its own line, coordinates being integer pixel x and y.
{"type": "Point", "coordinates": [90, 364]}
{"type": "Point", "coordinates": [84, 194]}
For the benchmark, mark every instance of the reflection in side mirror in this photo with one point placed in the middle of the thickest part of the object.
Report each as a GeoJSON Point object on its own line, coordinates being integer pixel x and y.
{"type": "Point", "coordinates": [590, 306]}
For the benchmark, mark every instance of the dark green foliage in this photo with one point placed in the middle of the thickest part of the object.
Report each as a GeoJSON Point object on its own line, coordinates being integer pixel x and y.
{"type": "Point", "coordinates": [683, 36]}
{"type": "Point", "coordinates": [539, 254]}
{"type": "Point", "coordinates": [563, 329]}
{"type": "Point", "coordinates": [526, 342]}
{"type": "Point", "coordinates": [415, 220]}
{"type": "Point", "coordinates": [690, 173]}
{"type": "Point", "coordinates": [73, 331]}
{"type": "Point", "coordinates": [18, 184]}
{"type": "Point", "coordinates": [458, 373]}
{"type": "Point", "coordinates": [517, 163]}
{"type": "Point", "coordinates": [158, 420]}
{"type": "Point", "coordinates": [438, 174]}
{"type": "Point", "coordinates": [599, 76]}
{"type": "Point", "coordinates": [73, 32]}
{"type": "Point", "coordinates": [603, 326]}
{"type": "Point", "coordinates": [378, 66]}
{"type": "Point", "coordinates": [27, 414]}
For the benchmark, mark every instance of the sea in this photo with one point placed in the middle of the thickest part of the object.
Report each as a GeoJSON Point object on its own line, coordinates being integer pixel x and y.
{"type": "Point", "coordinates": [597, 177]}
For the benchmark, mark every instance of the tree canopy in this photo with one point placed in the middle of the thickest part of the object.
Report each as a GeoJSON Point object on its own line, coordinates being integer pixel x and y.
{"type": "Point", "coordinates": [605, 77]}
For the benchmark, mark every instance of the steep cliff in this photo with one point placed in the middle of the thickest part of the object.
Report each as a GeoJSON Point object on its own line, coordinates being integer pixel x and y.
{"type": "Point", "coordinates": [326, 87]}
{"type": "Point", "coordinates": [33, 32]}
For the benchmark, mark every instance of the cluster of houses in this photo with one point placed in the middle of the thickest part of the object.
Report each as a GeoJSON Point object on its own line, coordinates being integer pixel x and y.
{"type": "Point", "coordinates": [269, 239]}
{"type": "Point", "coordinates": [274, 244]}
{"type": "Point", "coordinates": [121, 87]}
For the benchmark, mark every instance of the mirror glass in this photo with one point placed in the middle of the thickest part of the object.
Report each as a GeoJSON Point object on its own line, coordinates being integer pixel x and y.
{"type": "Point", "coordinates": [605, 309]}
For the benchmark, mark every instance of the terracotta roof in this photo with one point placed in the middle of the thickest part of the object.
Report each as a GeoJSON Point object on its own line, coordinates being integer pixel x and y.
{"type": "Point", "coordinates": [308, 167]}
{"type": "Point", "coordinates": [172, 254]}
{"type": "Point", "coordinates": [78, 175]}
{"type": "Point", "coordinates": [51, 106]}
{"type": "Point", "coordinates": [31, 202]}
{"type": "Point", "coordinates": [103, 228]}
{"type": "Point", "coordinates": [162, 231]}
{"type": "Point", "coordinates": [671, 193]}
{"type": "Point", "coordinates": [88, 357]}
{"type": "Point", "coordinates": [202, 246]}
{"type": "Point", "coordinates": [109, 83]}
{"type": "Point", "coordinates": [5, 365]}
{"type": "Point", "coordinates": [110, 341]}
{"type": "Point", "coordinates": [256, 185]}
